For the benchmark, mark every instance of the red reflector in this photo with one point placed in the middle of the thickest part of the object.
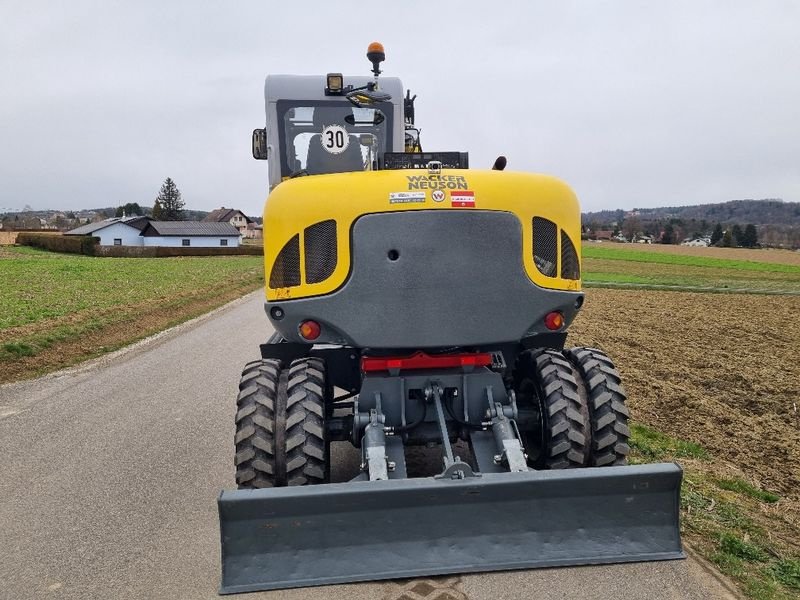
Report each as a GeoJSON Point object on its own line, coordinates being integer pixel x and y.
{"type": "Point", "coordinates": [420, 360]}
{"type": "Point", "coordinates": [310, 330]}
{"type": "Point", "coordinates": [554, 320]}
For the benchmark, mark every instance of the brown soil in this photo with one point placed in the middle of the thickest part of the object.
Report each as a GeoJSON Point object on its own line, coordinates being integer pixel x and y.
{"type": "Point", "coordinates": [784, 257]}
{"type": "Point", "coordinates": [718, 370]}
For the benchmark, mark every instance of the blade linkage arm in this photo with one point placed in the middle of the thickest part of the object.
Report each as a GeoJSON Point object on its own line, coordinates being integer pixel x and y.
{"type": "Point", "coordinates": [506, 435]}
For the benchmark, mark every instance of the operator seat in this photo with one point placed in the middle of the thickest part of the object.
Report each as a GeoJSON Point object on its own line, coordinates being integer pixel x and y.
{"type": "Point", "coordinates": [320, 160]}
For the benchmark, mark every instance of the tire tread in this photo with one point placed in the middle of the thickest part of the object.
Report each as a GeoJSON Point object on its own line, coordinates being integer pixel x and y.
{"type": "Point", "coordinates": [608, 411]}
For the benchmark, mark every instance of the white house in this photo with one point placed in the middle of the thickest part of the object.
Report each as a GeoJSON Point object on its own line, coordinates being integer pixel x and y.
{"type": "Point", "coordinates": [141, 231]}
{"type": "Point", "coordinates": [119, 231]}
{"type": "Point", "coordinates": [700, 242]}
{"type": "Point", "coordinates": [191, 234]}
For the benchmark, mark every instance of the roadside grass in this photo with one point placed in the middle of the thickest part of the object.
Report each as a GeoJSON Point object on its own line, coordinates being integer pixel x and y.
{"type": "Point", "coordinates": [654, 445]}
{"type": "Point", "coordinates": [726, 519]}
{"type": "Point", "coordinates": [59, 309]}
{"type": "Point", "coordinates": [619, 267]}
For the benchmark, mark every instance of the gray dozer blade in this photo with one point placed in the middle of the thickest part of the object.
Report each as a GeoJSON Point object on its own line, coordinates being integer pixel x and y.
{"type": "Point", "coordinates": [361, 531]}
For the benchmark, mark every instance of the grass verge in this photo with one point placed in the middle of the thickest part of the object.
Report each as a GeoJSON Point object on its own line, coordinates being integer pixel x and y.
{"type": "Point", "coordinates": [57, 310]}
{"type": "Point", "coordinates": [729, 521]}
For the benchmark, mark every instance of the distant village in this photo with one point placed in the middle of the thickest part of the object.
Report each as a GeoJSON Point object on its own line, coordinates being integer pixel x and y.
{"type": "Point", "coordinates": [632, 229]}
{"type": "Point", "coordinates": [29, 219]}
{"type": "Point", "coordinates": [740, 223]}
{"type": "Point", "coordinates": [769, 223]}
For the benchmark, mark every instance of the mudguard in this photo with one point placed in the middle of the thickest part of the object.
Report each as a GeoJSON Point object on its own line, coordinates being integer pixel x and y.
{"type": "Point", "coordinates": [370, 530]}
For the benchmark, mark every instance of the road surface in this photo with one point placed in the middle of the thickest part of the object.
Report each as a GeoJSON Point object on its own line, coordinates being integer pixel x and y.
{"type": "Point", "coordinates": [110, 475]}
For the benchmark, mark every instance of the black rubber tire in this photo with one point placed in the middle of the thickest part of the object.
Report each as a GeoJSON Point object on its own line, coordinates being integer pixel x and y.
{"type": "Point", "coordinates": [565, 435]}
{"type": "Point", "coordinates": [255, 424]}
{"type": "Point", "coordinates": [280, 424]}
{"type": "Point", "coordinates": [307, 448]}
{"type": "Point", "coordinates": [607, 410]}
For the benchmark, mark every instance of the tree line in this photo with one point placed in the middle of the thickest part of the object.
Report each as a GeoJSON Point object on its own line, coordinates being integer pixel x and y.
{"type": "Point", "coordinates": [735, 236]}
{"type": "Point", "coordinates": [676, 230]}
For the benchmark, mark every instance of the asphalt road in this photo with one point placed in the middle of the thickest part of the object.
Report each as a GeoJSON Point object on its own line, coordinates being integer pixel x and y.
{"type": "Point", "coordinates": [109, 476]}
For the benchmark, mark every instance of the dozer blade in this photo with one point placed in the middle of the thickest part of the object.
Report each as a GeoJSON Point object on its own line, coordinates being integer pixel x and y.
{"type": "Point", "coordinates": [360, 531]}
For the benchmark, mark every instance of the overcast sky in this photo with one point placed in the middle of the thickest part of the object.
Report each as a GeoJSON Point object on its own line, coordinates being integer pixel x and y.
{"type": "Point", "coordinates": [635, 104]}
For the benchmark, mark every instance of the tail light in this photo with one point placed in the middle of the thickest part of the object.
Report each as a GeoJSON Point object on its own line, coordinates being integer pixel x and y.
{"type": "Point", "coordinates": [554, 320]}
{"type": "Point", "coordinates": [310, 330]}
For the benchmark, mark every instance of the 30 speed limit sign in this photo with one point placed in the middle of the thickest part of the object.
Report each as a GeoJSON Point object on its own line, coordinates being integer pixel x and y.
{"type": "Point", "coordinates": [335, 139]}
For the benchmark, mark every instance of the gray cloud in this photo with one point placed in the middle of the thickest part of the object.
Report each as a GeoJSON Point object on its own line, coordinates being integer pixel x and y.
{"type": "Point", "coordinates": [633, 103]}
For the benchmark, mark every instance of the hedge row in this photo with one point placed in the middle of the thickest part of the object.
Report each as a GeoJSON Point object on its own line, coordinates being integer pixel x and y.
{"type": "Point", "coordinates": [74, 244]}
{"type": "Point", "coordinates": [84, 244]}
{"type": "Point", "coordinates": [165, 251]}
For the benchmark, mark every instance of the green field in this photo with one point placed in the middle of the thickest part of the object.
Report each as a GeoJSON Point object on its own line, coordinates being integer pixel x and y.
{"type": "Point", "coordinates": [57, 309]}
{"type": "Point", "coordinates": [610, 267]}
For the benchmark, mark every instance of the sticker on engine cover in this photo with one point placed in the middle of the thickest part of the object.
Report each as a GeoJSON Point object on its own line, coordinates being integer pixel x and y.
{"type": "Point", "coordinates": [438, 195]}
{"type": "Point", "coordinates": [406, 197]}
{"type": "Point", "coordinates": [464, 199]}
{"type": "Point", "coordinates": [335, 139]}
{"type": "Point", "coordinates": [437, 182]}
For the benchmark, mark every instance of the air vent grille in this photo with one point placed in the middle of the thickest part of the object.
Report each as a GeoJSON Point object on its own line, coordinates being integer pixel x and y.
{"type": "Point", "coordinates": [319, 246]}
{"type": "Point", "coordinates": [570, 266]}
{"type": "Point", "coordinates": [286, 269]}
{"type": "Point", "coordinates": [545, 246]}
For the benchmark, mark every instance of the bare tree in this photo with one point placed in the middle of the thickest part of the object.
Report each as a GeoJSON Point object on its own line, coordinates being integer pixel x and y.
{"type": "Point", "coordinates": [630, 227]}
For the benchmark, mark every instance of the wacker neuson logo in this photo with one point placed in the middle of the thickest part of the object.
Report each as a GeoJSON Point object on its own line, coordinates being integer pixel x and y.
{"type": "Point", "coordinates": [437, 182]}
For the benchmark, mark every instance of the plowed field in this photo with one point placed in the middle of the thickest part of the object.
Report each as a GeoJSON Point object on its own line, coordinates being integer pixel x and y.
{"type": "Point", "coordinates": [723, 373]}
{"type": "Point", "coordinates": [718, 370]}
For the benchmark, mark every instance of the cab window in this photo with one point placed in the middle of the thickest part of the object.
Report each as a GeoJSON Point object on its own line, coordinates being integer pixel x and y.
{"type": "Point", "coordinates": [331, 137]}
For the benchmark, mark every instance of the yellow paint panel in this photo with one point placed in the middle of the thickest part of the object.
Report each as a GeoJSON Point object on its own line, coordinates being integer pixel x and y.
{"type": "Point", "coordinates": [297, 203]}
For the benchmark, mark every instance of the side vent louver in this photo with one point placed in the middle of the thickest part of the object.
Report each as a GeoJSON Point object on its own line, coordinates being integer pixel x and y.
{"type": "Point", "coordinates": [545, 246]}
{"type": "Point", "coordinates": [286, 269]}
{"type": "Point", "coordinates": [570, 267]}
{"type": "Point", "coordinates": [319, 247]}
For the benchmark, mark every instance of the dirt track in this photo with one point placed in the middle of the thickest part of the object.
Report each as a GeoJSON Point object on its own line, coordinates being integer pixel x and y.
{"type": "Point", "coordinates": [715, 369]}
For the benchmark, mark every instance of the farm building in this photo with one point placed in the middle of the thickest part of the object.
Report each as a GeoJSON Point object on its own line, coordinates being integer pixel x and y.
{"type": "Point", "coordinates": [119, 231]}
{"type": "Point", "coordinates": [246, 226]}
{"type": "Point", "coordinates": [190, 233]}
{"type": "Point", "coordinates": [230, 215]}
{"type": "Point", "coordinates": [141, 231]}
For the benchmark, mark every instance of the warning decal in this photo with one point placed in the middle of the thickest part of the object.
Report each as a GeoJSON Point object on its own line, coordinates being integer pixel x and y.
{"type": "Point", "coordinates": [406, 197]}
{"type": "Point", "coordinates": [465, 199]}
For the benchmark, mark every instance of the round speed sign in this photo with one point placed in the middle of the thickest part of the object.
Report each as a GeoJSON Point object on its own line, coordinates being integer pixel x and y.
{"type": "Point", "coordinates": [335, 139]}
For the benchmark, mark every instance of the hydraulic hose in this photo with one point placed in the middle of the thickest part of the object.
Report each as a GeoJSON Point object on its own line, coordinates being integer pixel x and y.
{"type": "Point", "coordinates": [448, 400]}
{"type": "Point", "coordinates": [416, 422]}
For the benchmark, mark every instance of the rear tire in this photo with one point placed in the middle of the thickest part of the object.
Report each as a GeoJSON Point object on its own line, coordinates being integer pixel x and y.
{"type": "Point", "coordinates": [255, 424]}
{"type": "Point", "coordinates": [564, 434]}
{"type": "Point", "coordinates": [607, 410]}
{"type": "Point", "coordinates": [280, 424]}
{"type": "Point", "coordinates": [307, 449]}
